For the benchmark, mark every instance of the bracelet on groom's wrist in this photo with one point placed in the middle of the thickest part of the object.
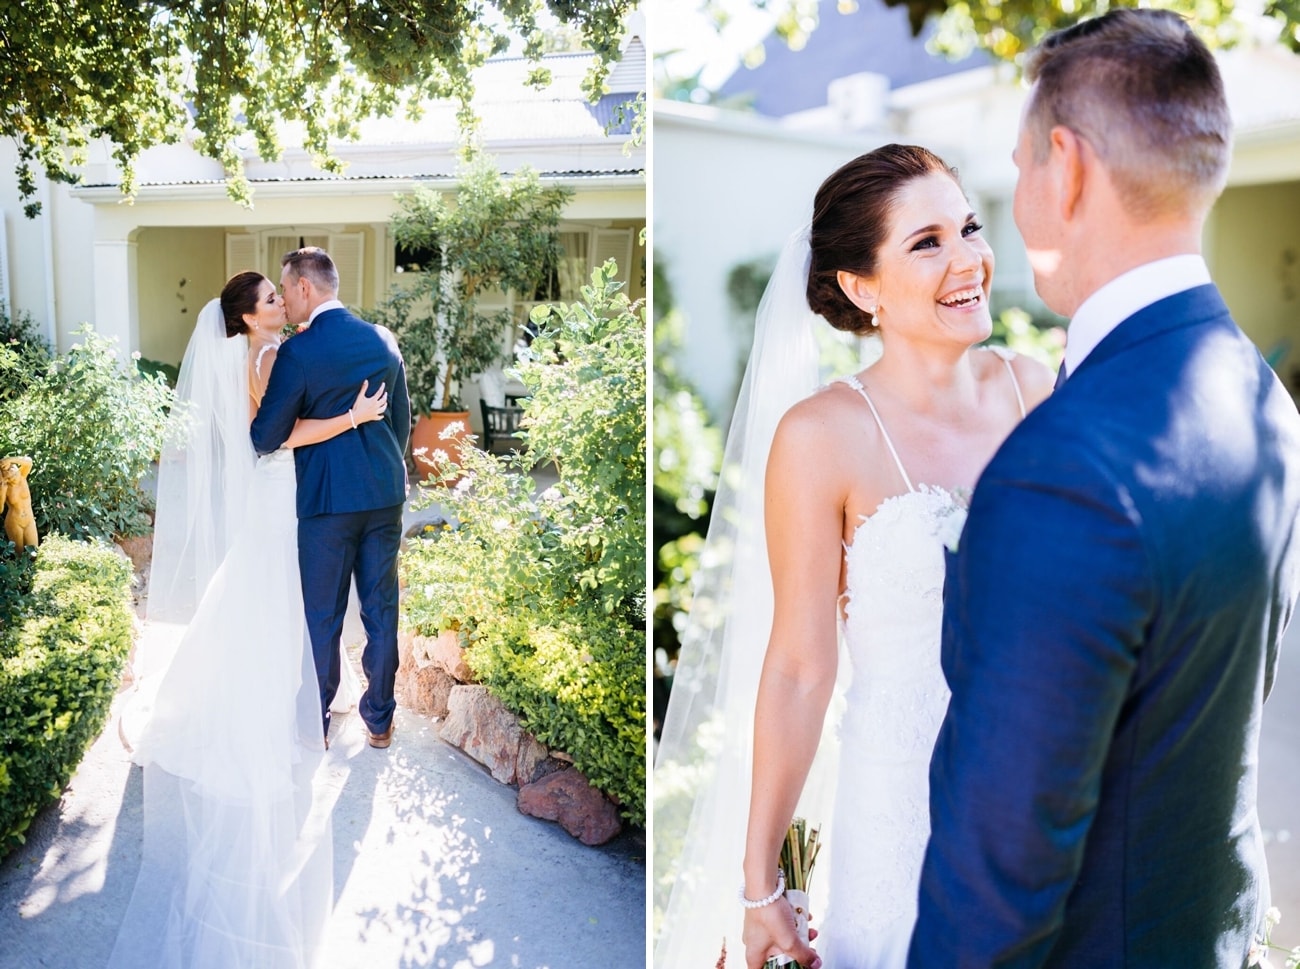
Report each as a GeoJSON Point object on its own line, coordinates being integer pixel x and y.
{"type": "Point", "coordinates": [762, 902]}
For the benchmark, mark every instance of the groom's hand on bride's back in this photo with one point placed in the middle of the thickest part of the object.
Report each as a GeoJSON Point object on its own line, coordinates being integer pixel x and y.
{"type": "Point", "coordinates": [770, 931]}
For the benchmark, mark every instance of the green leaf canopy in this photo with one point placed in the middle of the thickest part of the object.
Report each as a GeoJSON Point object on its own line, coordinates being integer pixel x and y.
{"type": "Point", "coordinates": [139, 72]}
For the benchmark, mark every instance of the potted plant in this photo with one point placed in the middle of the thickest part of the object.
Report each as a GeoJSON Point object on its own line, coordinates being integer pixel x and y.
{"type": "Point", "coordinates": [494, 234]}
{"type": "Point", "coordinates": [442, 342]}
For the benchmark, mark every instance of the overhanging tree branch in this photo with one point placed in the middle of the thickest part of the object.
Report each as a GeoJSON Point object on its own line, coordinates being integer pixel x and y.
{"type": "Point", "coordinates": [141, 72]}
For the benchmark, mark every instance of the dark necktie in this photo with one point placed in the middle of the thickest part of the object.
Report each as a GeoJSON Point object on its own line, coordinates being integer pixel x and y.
{"type": "Point", "coordinates": [1060, 376]}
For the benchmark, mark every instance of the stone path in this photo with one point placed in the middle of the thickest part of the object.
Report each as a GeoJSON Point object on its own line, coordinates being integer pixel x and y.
{"type": "Point", "coordinates": [433, 866]}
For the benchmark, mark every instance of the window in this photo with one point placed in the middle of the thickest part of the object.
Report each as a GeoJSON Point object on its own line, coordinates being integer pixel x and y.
{"type": "Point", "coordinates": [414, 259]}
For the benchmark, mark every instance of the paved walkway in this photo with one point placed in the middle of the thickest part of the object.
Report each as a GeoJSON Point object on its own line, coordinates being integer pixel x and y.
{"type": "Point", "coordinates": [433, 866]}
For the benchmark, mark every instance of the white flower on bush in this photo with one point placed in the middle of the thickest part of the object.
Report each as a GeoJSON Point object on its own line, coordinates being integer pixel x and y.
{"type": "Point", "coordinates": [550, 495]}
{"type": "Point", "coordinates": [452, 429]}
{"type": "Point", "coordinates": [464, 484]}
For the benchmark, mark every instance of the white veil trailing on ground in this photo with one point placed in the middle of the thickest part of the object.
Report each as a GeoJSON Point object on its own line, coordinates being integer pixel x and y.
{"type": "Point", "coordinates": [702, 769]}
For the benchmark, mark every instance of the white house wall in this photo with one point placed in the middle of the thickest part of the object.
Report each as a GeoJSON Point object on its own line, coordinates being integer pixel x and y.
{"type": "Point", "coordinates": [116, 265]}
{"type": "Point", "coordinates": [1255, 250]}
{"type": "Point", "coordinates": [728, 190]}
{"type": "Point", "coordinates": [49, 272]}
{"type": "Point", "coordinates": [168, 307]}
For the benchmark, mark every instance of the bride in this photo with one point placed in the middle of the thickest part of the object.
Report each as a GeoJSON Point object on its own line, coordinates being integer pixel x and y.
{"type": "Point", "coordinates": [226, 715]}
{"type": "Point", "coordinates": [863, 484]}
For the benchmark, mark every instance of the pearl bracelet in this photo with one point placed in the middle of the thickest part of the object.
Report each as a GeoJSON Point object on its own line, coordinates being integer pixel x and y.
{"type": "Point", "coordinates": [352, 419]}
{"type": "Point", "coordinates": [780, 890]}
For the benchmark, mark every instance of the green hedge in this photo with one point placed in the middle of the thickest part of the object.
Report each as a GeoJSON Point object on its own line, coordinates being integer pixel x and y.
{"type": "Point", "coordinates": [550, 591]}
{"type": "Point", "coordinates": [61, 659]}
{"type": "Point", "coordinates": [92, 425]}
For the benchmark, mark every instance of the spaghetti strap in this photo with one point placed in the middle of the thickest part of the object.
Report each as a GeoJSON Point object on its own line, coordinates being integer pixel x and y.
{"type": "Point", "coordinates": [856, 384]}
{"type": "Point", "coordinates": [1005, 356]}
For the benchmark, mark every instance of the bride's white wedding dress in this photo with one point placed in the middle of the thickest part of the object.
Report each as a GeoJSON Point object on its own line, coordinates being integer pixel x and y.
{"type": "Point", "coordinates": [893, 708]}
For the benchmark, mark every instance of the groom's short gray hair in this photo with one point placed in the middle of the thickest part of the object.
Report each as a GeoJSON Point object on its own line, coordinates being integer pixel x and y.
{"type": "Point", "coordinates": [314, 263]}
{"type": "Point", "coordinates": [1143, 90]}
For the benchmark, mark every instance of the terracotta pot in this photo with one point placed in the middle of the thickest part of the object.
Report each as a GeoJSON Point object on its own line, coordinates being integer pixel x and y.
{"type": "Point", "coordinates": [428, 432]}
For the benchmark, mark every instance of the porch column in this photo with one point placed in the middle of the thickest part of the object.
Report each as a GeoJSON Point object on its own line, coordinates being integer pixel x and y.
{"type": "Point", "coordinates": [117, 312]}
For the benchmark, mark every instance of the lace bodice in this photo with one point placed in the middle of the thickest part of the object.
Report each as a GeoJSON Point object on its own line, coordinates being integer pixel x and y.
{"type": "Point", "coordinates": [893, 607]}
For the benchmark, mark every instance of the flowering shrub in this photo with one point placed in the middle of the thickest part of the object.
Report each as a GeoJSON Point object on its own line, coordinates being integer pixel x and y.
{"type": "Point", "coordinates": [61, 658]}
{"type": "Point", "coordinates": [550, 591]}
{"type": "Point", "coordinates": [92, 427]}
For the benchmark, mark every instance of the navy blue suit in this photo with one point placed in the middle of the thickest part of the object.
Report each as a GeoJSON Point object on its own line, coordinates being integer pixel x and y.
{"type": "Point", "coordinates": [1111, 627]}
{"type": "Point", "coordinates": [351, 490]}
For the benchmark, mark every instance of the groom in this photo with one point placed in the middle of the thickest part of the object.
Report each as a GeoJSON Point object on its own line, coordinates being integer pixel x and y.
{"type": "Point", "coordinates": [1113, 612]}
{"type": "Point", "coordinates": [351, 488]}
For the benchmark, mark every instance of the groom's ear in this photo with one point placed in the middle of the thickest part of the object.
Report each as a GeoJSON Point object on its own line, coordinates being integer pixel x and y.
{"type": "Point", "coordinates": [862, 291]}
{"type": "Point", "coordinates": [1070, 156]}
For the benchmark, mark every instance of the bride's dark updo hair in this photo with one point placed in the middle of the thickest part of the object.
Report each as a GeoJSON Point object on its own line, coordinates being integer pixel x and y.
{"type": "Point", "coordinates": [851, 215]}
{"type": "Point", "coordinates": [239, 296]}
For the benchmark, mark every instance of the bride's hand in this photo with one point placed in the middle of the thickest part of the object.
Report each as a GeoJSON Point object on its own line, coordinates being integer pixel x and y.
{"type": "Point", "coordinates": [770, 931]}
{"type": "Point", "coordinates": [369, 408]}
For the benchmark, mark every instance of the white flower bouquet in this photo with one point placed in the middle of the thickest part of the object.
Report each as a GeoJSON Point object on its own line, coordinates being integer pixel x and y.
{"type": "Point", "coordinates": [798, 855]}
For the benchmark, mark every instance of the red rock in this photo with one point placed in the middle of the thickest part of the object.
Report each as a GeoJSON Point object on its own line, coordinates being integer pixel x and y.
{"type": "Point", "coordinates": [480, 725]}
{"type": "Point", "coordinates": [567, 797]}
{"type": "Point", "coordinates": [447, 653]}
{"type": "Point", "coordinates": [138, 548]}
{"type": "Point", "coordinates": [424, 688]}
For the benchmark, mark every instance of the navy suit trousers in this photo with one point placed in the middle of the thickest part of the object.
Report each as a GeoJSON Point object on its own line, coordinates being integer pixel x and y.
{"type": "Point", "coordinates": [331, 550]}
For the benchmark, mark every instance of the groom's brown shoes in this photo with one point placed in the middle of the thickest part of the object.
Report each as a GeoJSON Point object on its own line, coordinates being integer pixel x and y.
{"type": "Point", "coordinates": [380, 740]}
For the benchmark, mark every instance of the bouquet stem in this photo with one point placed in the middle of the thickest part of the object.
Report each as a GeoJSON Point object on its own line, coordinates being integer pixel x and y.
{"type": "Point", "coordinates": [798, 855]}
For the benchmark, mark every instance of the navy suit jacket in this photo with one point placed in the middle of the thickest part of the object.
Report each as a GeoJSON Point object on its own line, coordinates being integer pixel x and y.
{"type": "Point", "coordinates": [1111, 627]}
{"type": "Point", "coordinates": [317, 374]}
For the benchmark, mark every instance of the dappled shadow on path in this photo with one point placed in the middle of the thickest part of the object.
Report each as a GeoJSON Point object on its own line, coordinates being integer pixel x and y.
{"type": "Point", "coordinates": [63, 892]}
{"type": "Point", "coordinates": [449, 874]}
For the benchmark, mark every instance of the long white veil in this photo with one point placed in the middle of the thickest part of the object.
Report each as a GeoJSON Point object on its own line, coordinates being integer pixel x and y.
{"type": "Point", "coordinates": [205, 469]}
{"type": "Point", "coordinates": [702, 769]}
{"type": "Point", "coordinates": [237, 858]}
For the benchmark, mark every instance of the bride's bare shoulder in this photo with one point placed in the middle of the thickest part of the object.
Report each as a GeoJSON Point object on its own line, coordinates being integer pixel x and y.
{"type": "Point", "coordinates": [824, 426]}
{"type": "Point", "coordinates": [825, 411]}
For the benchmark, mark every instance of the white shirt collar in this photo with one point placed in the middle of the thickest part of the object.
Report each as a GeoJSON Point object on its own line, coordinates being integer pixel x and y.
{"type": "Point", "coordinates": [329, 304]}
{"type": "Point", "coordinates": [1123, 296]}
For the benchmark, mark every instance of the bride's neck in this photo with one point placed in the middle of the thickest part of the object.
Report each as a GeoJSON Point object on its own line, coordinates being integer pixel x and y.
{"type": "Point", "coordinates": [256, 341]}
{"type": "Point", "coordinates": [927, 382]}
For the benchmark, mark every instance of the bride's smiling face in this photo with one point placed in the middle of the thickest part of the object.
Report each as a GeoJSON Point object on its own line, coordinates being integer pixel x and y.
{"type": "Point", "coordinates": [934, 267]}
{"type": "Point", "coordinates": [269, 317]}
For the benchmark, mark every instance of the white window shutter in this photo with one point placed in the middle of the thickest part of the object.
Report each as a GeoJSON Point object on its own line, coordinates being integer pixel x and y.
{"type": "Point", "coordinates": [276, 247]}
{"type": "Point", "coordinates": [348, 250]}
{"type": "Point", "coordinates": [613, 244]}
{"type": "Point", "coordinates": [241, 252]}
{"type": "Point", "coordinates": [279, 243]}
